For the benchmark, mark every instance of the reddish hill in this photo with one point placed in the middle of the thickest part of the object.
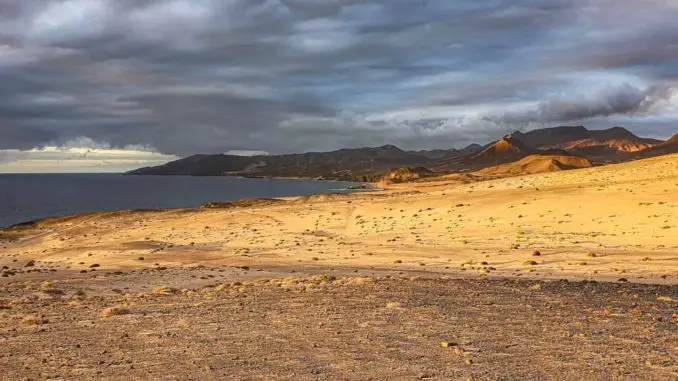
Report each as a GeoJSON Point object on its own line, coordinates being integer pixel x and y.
{"type": "Point", "coordinates": [598, 144]}
{"type": "Point", "coordinates": [506, 150]}
{"type": "Point", "coordinates": [665, 148]}
{"type": "Point", "coordinates": [538, 163]}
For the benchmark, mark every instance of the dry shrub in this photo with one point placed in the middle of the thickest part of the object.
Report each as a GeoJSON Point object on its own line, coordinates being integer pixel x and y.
{"type": "Point", "coordinates": [183, 323]}
{"type": "Point", "coordinates": [31, 321]}
{"type": "Point", "coordinates": [114, 311]}
{"type": "Point", "coordinates": [359, 280]}
{"type": "Point", "coordinates": [164, 290]}
{"type": "Point", "coordinates": [46, 285]}
{"type": "Point", "coordinates": [48, 288]}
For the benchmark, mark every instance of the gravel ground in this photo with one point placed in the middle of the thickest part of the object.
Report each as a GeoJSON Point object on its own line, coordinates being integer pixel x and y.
{"type": "Point", "coordinates": [326, 328]}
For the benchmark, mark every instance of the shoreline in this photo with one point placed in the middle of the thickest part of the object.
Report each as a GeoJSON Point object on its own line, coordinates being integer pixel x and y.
{"type": "Point", "coordinates": [535, 226]}
{"type": "Point", "coordinates": [241, 176]}
{"type": "Point", "coordinates": [351, 187]}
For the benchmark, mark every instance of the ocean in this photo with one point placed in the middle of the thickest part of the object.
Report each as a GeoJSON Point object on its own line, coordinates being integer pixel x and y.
{"type": "Point", "coordinates": [26, 197]}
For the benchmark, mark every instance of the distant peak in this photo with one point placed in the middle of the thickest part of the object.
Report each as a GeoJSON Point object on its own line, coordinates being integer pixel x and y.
{"type": "Point", "coordinates": [508, 143]}
{"type": "Point", "coordinates": [618, 133]}
{"type": "Point", "coordinates": [513, 138]}
{"type": "Point", "coordinates": [568, 128]}
{"type": "Point", "coordinates": [472, 145]}
{"type": "Point", "coordinates": [620, 130]}
{"type": "Point", "coordinates": [389, 147]}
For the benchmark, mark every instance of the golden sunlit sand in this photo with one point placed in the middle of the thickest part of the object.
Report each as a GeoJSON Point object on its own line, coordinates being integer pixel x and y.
{"type": "Point", "coordinates": [610, 222]}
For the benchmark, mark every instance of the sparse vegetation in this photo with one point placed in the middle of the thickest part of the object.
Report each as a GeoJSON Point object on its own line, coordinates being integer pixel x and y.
{"type": "Point", "coordinates": [114, 311]}
{"type": "Point", "coordinates": [164, 291]}
{"type": "Point", "coordinates": [31, 321]}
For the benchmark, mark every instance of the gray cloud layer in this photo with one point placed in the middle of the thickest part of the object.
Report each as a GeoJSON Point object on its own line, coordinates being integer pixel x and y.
{"type": "Point", "coordinates": [625, 100]}
{"type": "Point", "coordinates": [295, 75]}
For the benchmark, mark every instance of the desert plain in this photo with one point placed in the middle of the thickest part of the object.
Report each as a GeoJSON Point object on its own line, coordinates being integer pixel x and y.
{"type": "Point", "coordinates": [561, 275]}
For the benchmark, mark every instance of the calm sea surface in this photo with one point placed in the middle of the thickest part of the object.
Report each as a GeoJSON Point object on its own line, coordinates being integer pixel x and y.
{"type": "Point", "coordinates": [26, 197]}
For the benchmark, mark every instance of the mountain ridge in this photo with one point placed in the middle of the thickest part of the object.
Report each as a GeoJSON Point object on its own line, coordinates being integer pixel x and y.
{"type": "Point", "coordinates": [371, 163]}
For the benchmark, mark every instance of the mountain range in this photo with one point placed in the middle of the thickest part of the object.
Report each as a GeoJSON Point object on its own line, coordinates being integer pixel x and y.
{"type": "Point", "coordinates": [368, 164]}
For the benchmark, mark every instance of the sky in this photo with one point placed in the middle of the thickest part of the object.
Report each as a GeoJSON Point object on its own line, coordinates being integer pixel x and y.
{"type": "Point", "coordinates": [111, 85]}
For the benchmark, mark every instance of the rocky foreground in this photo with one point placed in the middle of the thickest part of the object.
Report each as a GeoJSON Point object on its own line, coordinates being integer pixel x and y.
{"type": "Point", "coordinates": [352, 328]}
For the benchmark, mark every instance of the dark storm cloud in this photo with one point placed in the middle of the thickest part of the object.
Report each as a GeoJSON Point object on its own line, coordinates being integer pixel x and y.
{"type": "Point", "coordinates": [294, 75]}
{"type": "Point", "coordinates": [626, 100]}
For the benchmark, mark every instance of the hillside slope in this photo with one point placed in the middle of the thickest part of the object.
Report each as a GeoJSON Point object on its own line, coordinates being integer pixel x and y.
{"type": "Point", "coordinates": [369, 164]}
{"type": "Point", "coordinates": [405, 174]}
{"type": "Point", "coordinates": [596, 144]}
{"type": "Point", "coordinates": [507, 149]}
{"type": "Point", "coordinates": [537, 164]}
{"type": "Point", "coordinates": [665, 148]}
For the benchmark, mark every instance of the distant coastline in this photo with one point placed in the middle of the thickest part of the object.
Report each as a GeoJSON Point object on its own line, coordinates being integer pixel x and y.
{"type": "Point", "coordinates": [29, 197]}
